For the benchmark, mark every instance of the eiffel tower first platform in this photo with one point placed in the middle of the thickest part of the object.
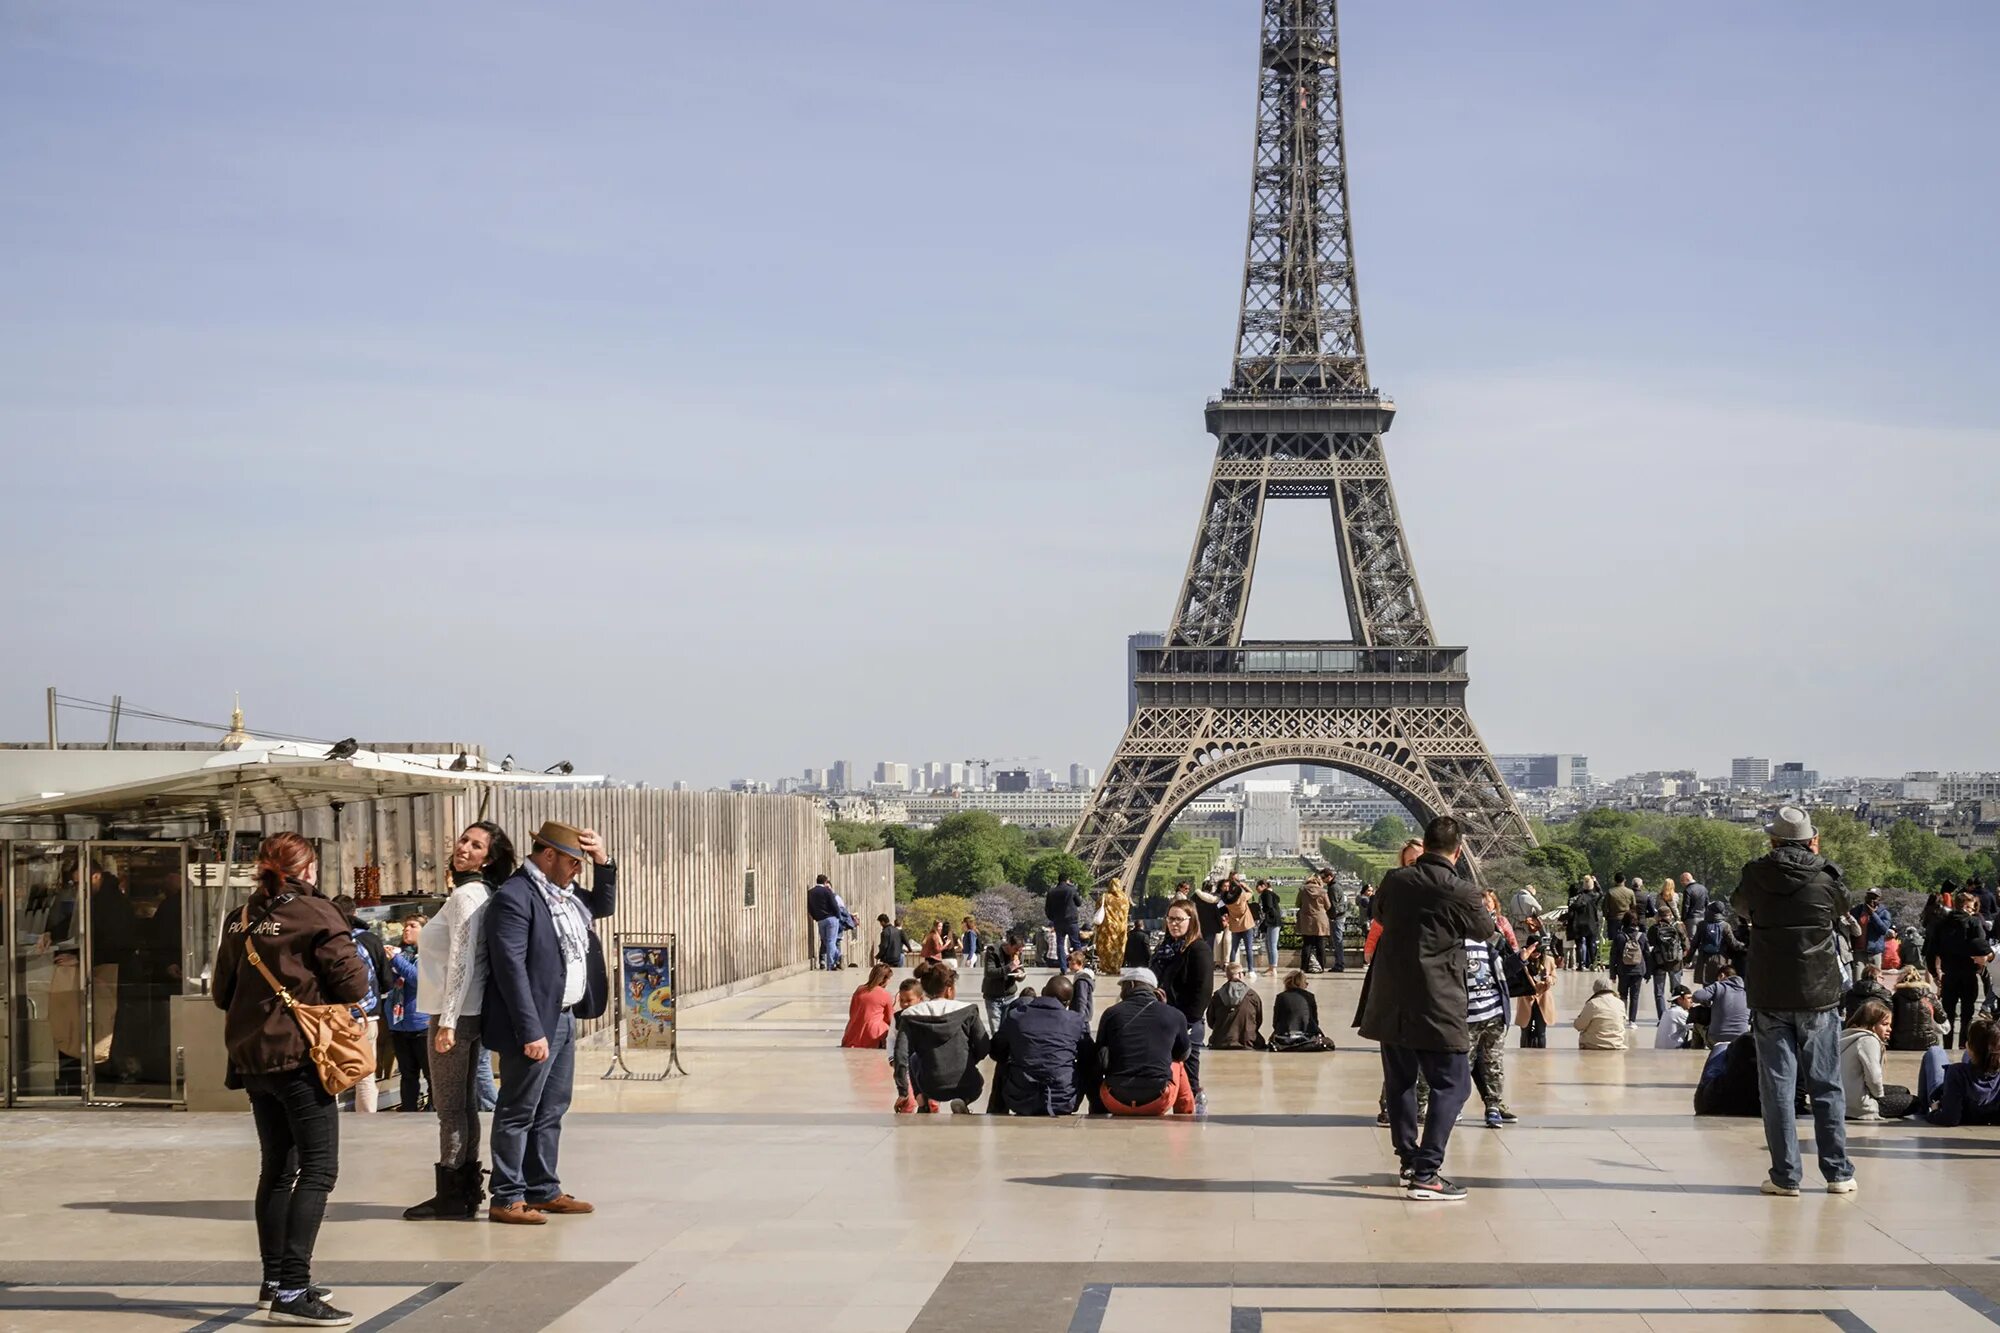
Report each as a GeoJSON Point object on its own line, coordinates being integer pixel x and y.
{"type": "Point", "coordinates": [1299, 421]}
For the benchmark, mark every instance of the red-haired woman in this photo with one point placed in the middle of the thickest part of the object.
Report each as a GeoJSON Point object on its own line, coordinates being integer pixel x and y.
{"type": "Point", "coordinates": [304, 944]}
{"type": "Point", "coordinates": [871, 1011]}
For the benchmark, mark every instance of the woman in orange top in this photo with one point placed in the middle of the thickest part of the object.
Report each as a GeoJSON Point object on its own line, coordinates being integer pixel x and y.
{"type": "Point", "coordinates": [868, 1012]}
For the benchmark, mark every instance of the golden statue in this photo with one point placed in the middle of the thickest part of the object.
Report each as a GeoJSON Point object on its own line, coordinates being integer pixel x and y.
{"type": "Point", "coordinates": [1111, 930]}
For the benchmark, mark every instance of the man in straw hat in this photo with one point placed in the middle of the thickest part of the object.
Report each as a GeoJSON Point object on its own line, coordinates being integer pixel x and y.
{"type": "Point", "coordinates": [1795, 902]}
{"type": "Point", "coordinates": [540, 974]}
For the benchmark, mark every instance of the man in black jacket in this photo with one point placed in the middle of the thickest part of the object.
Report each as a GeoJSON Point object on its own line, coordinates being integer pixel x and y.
{"type": "Point", "coordinates": [1957, 951]}
{"type": "Point", "coordinates": [1584, 922]}
{"type": "Point", "coordinates": [1413, 1001]}
{"type": "Point", "coordinates": [1063, 903]}
{"type": "Point", "coordinates": [1795, 900]}
{"type": "Point", "coordinates": [1142, 1051]}
{"type": "Point", "coordinates": [823, 910]}
{"type": "Point", "coordinates": [1042, 1055]}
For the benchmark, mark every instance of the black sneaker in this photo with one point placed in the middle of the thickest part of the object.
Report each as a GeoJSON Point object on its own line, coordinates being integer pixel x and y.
{"type": "Point", "coordinates": [269, 1292]}
{"type": "Point", "coordinates": [1405, 1173]}
{"type": "Point", "coordinates": [1382, 1119]}
{"type": "Point", "coordinates": [1437, 1189]}
{"type": "Point", "coordinates": [308, 1311]}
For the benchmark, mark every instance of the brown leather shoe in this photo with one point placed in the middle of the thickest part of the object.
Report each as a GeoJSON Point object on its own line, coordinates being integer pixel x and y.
{"type": "Point", "coordinates": [516, 1214]}
{"type": "Point", "coordinates": [562, 1203]}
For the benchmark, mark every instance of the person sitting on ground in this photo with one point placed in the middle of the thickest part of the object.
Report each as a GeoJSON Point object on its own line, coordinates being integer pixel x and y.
{"type": "Point", "coordinates": [1673, 1033]}
{"type": "Point", "coordinates": [1714, 945]}
{"type": "Point", "coordinates": [1043, 1058]}
{"type": "Point", "coordinates": [1868, 1098]}
{"type": "Point", "coordinates": [1728, 1007]}
{"type": "Point", "coordinates": [1138, 945]}
{"type": "Point", "coordinates": [1966, 1093]}
{"type": "Point", "coordinates": [1601, 1022]}
{"type": "Point", "coordinates": [1892, 954]}
{"type": "Point", "coordinates": [1295, 1018]}
{"type": "Point", "coordinates": [1235, 1015]}
{"type": "Point", "coordinates": [1728, 1084]}
{"type": "Point", "coordinates": [1914, 1006]}
{"type": "Point", "coordinates": [1002, 979]}
{"type": "Point", "coordinates": [1142, 1051]}
{"type": "Point", "coordinates": [1868, 986]}
{"type": "Point", "coordinates": [870, 1011]}
{"type": "Point", "coordinates": [894, 945]}
{"type": "Point", "coordinates": [941, 1041]}
{"type": "Point", "coordinates": [1082, 998]}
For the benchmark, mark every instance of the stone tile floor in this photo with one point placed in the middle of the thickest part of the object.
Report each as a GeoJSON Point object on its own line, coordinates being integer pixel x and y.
{"type": "Point", "coordinates": [771, 1189]}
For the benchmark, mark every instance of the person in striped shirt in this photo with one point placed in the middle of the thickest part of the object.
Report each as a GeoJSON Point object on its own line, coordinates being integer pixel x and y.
{"type": "Point", "coordinates": [1486, 1017]}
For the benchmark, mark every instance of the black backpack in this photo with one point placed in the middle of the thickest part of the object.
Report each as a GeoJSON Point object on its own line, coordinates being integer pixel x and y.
{"type": "Point", "coordinates": [1668, 947]}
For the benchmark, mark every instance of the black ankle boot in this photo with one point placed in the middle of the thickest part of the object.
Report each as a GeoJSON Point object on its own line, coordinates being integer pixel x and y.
{"type": "Point", "coordinates": [471, 1187]}
{"type": "Point", "coordinates": [445, 1203]}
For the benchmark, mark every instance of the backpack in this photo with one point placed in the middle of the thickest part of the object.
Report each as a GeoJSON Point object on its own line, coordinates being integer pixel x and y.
{"type": "Point", "coordinates": [1668, 947]}
{"type": "Point", "coordinates": [1633, 955]}
{"type": "Point", "coordinates": [1711, 939]}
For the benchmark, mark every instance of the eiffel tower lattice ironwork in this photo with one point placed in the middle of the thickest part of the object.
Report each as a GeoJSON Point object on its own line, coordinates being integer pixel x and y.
{"type": "Point", "coordinates": [1299, 421]}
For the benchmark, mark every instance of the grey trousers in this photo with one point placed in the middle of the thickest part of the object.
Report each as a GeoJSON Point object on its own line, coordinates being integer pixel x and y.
{"type": "Point", "coordinates": [455, 1098]}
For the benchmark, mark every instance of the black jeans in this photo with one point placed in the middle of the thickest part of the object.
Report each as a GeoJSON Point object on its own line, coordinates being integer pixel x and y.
{"type": "Point", "coordinates": [1312, 952]}
{"type": "Point", "coordinates": [1450, 1075]}
{"type": "Point", "coordinates": [1586, 950]}
{"type": "Point", "coordinates": [1535, 1035]}
{"type": "Point", "coordinates": [1959, 997]}
{"type": "Point", "coordinates": [298, 1138]}
{"type": "Point", "coordinates": [413, 1058]}
{"type": "Point", "coordinates": [1628, 991]}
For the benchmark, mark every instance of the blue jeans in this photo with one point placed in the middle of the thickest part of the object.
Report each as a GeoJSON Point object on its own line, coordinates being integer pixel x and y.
{"type": "Point", "coordinates": [1795, 1044]}
{"type": "Point", "coordinates": [1069, 935]}
{"type": "Point", "coordinates": [1660, 992]}
{"type": "Point", "coordinates": [1271, 947]}
{"type": "Point", "coordinates": [1243, 948]}
{"type": "Point", "coordinates": [527, 1124]}
{"type": "Point", "coordinates": [829, 942]}
{"type": "Point", "coordinates": [482, 1073]}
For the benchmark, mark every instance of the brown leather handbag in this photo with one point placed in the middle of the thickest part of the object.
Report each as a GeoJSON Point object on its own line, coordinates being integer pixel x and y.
{"type": "Point", "coordinates": [336, 1040]}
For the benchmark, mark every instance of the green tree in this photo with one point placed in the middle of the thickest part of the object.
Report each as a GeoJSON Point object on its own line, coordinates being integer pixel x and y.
{"type": "Point", "coordinates": [1051, 868]}
{"type": "Point", "coordinates": [1863, 858]}
{"type": "Point", "coordinates": [960, 865]}
{"type": "Point", "coordinates": [906, 883]}
{"type": "Point", "coordinates": [1386, 833]}
{"type": "Point", "coordinates": [1563, 866]}
{"type": "Point", "coordinates": [849, 837]}
{"type": "Point", "coordinates": [1925, 859]}
{"type": "Point", "coordinates": [1712, 850]}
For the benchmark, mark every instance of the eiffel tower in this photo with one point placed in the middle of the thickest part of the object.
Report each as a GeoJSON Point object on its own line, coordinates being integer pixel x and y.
{"type": "Point", "coordinates": [1299, 421]}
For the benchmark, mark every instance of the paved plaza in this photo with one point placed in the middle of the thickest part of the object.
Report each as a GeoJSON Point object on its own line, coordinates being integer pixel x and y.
{"type": "Point", "coordinates": [771, 1189]}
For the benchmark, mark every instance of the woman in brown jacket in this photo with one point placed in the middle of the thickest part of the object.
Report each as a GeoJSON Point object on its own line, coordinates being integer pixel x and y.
{"type": "Point", "coordinates": [1315, 923]}
{"type": "Point", "coordinates": [306, 946]}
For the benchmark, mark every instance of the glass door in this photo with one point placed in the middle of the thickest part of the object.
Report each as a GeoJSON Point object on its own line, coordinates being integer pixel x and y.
{"type": "Point", "coordinates": [45, 971]}
{"type": "Point", "coordinates": [133, 947]}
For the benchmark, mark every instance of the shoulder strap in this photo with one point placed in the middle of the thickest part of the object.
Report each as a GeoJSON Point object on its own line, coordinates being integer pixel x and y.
{"type": "Point", "coordinates": [250, 952]}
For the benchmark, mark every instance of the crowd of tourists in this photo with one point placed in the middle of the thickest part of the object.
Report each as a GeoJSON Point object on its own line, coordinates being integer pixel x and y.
{"type": "Point", "coordinates": [508, 966]}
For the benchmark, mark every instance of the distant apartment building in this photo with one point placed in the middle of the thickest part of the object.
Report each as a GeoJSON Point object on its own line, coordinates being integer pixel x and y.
{"type": "Point", "coordinates": [1750, 772]}
{"type": "Point", "coordinates": [1013, 780]}
{"type": "Point", "coordinates": [1268, 824]}
{"type": "Point", "coordinates": [847, 776]}
{"type": "Point", "coordinates": [1958, 787]}
{"type": "Point", "coordinates": [1794, 777]}
{"type": "Point", "coordinates": [1541, 772]}
{"type": "Point", "coordinates": [892, 775]}
{"type": "Point", "coordinates": [1082, 777]}
{"type": "Point", "coordinates": [1029, 809]}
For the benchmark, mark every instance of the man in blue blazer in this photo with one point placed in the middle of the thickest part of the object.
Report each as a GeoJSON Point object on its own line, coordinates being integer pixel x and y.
{"type": "Point", "coordinates": [540, 970]}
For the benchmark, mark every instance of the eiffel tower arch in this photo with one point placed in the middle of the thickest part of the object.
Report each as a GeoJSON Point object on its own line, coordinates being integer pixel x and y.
{"type": "Point", "coordinates": [1299, 420]}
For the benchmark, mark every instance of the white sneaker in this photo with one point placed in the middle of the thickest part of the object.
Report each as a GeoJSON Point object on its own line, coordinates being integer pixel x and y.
{"type": "Point", "coordinates": [1846, 1186]}
{"type": "Point", "coordinates": [1781, 1191]}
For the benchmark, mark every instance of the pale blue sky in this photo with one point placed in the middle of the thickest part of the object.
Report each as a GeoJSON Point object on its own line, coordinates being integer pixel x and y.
{"type": "Point", "coordinates": [695, 390]}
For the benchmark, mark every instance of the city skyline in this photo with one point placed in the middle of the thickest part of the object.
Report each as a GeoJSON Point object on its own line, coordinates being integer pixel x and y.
{"type": "Point", "coordinates": [456, 347]}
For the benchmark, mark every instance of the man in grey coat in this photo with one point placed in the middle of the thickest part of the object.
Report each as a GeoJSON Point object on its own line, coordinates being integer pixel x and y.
{"type": "Point", "coordinates": [1413, 1001]}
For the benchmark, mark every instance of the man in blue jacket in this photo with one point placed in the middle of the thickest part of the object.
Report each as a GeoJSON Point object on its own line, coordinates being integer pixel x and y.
{"type": "Point", "coordinates": [540, 971]}
{"type": "Point", "coordinates": [1043, 1058]}
{"type": "Point", "coordinates": [1876, 927]}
